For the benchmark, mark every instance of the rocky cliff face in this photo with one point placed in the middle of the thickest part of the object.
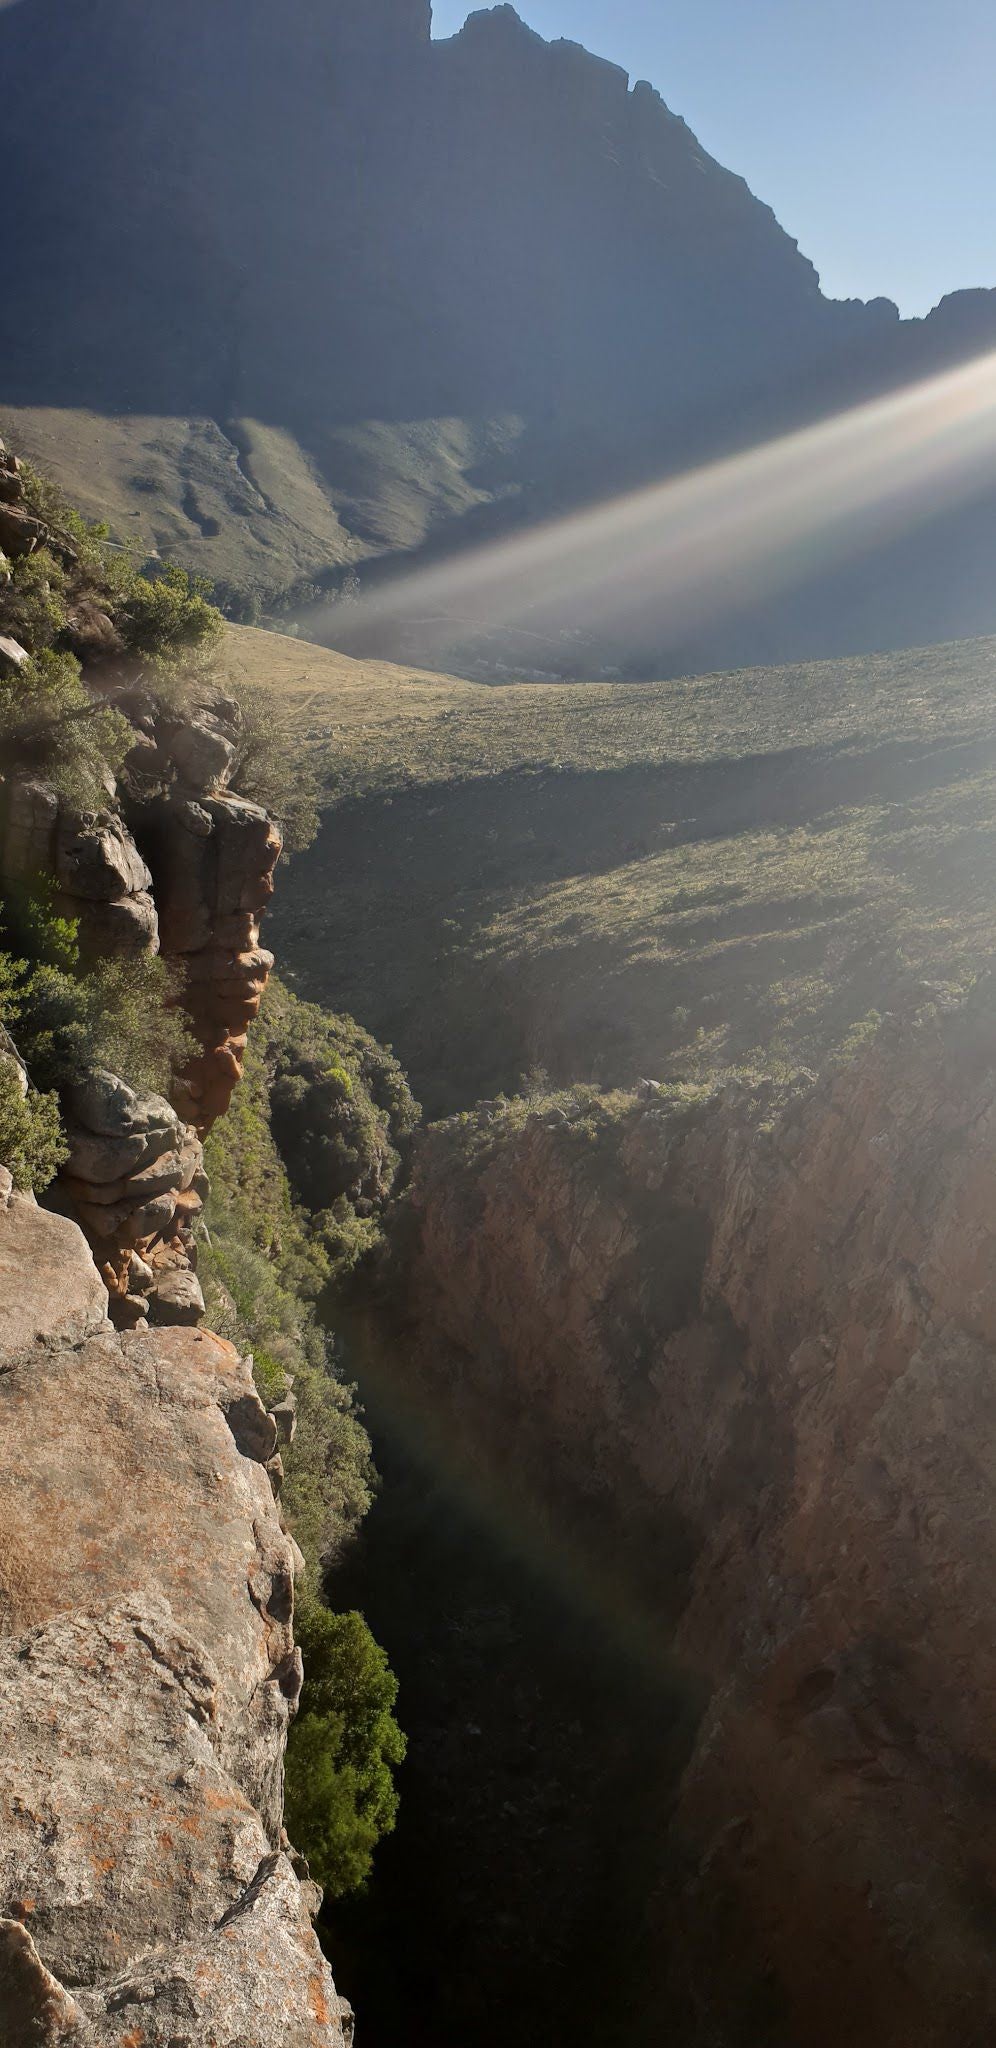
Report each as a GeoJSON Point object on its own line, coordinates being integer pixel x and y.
{"type": "Point", "coordinates": [147, 1675]}
{"type": "Point", "coordinates": [770, 1332]}
{"type": "Point", "coordinates": [177, 864]}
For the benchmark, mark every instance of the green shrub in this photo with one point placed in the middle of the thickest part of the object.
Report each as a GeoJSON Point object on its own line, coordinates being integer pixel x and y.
{"type": "Point", "coordinates": [343, 1749]}
{"type": "Point", "coordinates": [262, 1267]}
{"type": "Point", "coordinates": [31, 1141]}
{"type": "Point", "coordinates": [342, 1115]}
{"type": "Point", "coordinates": [169, 620]}
{"type": "Point", "coordinates": [273, 768]}
{"type": "Point", "coordinates": [32, 1145]}
{"type": "Point", "coordinates": [262, 1270]}
{"type": "Point", "coordinates": [120, 1014]}
{"type": "Point", "coordinates": [34, 609]}
{"type": "Point", "coordinates": [50, 726]}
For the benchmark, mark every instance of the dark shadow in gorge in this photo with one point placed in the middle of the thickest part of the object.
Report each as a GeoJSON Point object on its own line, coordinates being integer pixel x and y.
{"type": "Point", "coordinates": [513, 1900]}
{"type": "Point", "coordinates": [389, 915]}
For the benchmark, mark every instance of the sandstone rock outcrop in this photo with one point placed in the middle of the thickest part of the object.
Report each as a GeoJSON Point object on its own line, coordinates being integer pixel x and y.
{"type": "Point", "coordinates": [50, 1291]}
{"type": "Point", "coordinates": [135, 1182]}
{"type": "Point", "coordinates": [213, 857]}
{"type": "Point", "coordinates": [147, 1676]}
{"type": "Point", "coordinates": [776, 1329]}
{"type": "Point", "coordinates": [175, 863]}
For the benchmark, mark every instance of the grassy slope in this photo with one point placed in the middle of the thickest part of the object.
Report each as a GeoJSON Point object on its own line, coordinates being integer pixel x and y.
{"type": "Point", "coordinates": [658, 879]}
{"type": "Point", "coordinates": [245, 503]}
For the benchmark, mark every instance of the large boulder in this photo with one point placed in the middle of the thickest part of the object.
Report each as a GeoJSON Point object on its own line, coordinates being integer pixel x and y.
{"type": "Point", "coordinates": [147, 1677]}
{"type": "Point", "coordinates": [105, 884]}
{"type": "Point", "coordinates": [97, 857]}
{"type": "Point", "coordinates": [135, 1181]}
{"type": "Point", "coordinates": [13, 657]}
{"type": "Point", "coordinates": [50, 1290]}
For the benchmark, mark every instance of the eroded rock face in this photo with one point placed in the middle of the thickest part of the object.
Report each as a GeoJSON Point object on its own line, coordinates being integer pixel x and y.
{"type": "Point", "coordinates": [135, 1182]}
{"type": "Point", "coordinates": [105, 886]}
{"type": "Point", "coordinates": [50, 1291]}
{"type": "Point", "coordinates": [213, 859]}
{"type": "Point", "coordinates": [147, 1677]}
{"type": "Point", "coordinates": [778, 1330]}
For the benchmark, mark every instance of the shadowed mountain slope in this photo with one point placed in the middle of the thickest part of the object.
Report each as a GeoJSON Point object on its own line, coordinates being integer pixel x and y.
{"type": "Point", "coordinates": [343, 293]}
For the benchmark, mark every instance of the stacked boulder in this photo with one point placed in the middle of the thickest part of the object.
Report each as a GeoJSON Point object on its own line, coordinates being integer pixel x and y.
{"type": "Point", "coordinates": [135, 1183]}
{"type": "Point", "coordinates": [213, 862]}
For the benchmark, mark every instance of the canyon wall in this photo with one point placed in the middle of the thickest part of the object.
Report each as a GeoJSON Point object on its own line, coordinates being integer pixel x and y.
{"type": "Point", "coordinates": [766, 1329]}
{"type": "Point", "coordinates": [148, 1894]}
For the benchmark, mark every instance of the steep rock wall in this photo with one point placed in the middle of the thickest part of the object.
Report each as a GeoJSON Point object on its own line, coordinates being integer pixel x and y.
{"type": "Point", "coordinates": [771, 1332]}
{"type": "Point", "coordinates": [175, 862]}
{"type": "Point", "coordinates": [148, 1894]}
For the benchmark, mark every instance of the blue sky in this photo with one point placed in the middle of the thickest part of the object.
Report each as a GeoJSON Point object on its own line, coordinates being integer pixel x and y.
{"type": "Point", "coordinates": [869, 125]}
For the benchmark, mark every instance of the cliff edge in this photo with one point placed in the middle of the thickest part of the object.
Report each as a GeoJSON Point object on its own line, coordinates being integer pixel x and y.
{"type": "Point", "coordinates": [766, 1327]}
{"type": "Point", "coordinates": [148, 1673]}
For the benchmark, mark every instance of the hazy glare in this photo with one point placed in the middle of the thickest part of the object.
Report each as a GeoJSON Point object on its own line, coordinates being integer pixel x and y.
{"type": "Point", "coordinates": [869, 125]}
{"type": "Point", "coordinates": [710, 543]}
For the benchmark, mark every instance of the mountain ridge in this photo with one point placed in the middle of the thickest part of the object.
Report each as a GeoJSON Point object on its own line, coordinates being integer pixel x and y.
{"type": "Point", "coordinates": [380, 296]}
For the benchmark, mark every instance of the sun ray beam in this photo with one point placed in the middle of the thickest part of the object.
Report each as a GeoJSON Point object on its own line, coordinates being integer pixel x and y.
{"type": "Point", "coordinates": [712, 540]}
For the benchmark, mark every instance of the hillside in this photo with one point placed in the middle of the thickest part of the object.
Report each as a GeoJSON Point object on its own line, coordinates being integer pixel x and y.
{"type": "Point", "coordinates": [467, 285]}
{"type": "Point", "coordinates": [659, 880]}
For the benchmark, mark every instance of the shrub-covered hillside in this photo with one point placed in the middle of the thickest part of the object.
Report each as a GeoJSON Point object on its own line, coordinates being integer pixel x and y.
{"type": "Point", "coordinates": [664, 879]}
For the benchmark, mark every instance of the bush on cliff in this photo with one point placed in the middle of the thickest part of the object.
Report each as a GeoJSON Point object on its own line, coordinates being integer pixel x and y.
{"type": "Point", "coordinates": [273, 768]}
{"type": "Point", "coordinates": [80, 593]}
{"type": "Point", "coordinates": [31, 1142]}
{"type": "Point", "coordinates": [52, 728]}
{"type": "Point", "coordinates": [32, 1146]}
{"type": "Point", "coordinates": [69, 1020]}
{"type": "Point", "coordinates": [262, 1271]}
{"type": "Point", "coordinates": [263, 1266]}
{"type": "Point", "coordinates": [343, 1749]}
{"type": "Point", "coordinates": [342, 1115]}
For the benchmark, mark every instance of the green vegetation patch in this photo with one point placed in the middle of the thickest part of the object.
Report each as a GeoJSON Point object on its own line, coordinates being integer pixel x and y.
{"type": "Point", "coordinates": [662, 880]}
{"type": "Point", "coordinates": [322, 1117]}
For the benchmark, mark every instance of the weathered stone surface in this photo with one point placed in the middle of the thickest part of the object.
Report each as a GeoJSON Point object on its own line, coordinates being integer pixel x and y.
{"type": "Point", "coordinates": [20, 533]}
{"type": "Point", "coordinates": [105, 1105]}
{"type": "Point", "coordinates": [257, 1980]}
{"type": "Point", "coordinates": [202, 753]}
{"type": "Point", "coordinates": [35, 2011]}
{"type": "Point", "coordinates": [50, 1291]}
{"type": "Point", "coordinates": [176, 1298]}
{"type": "Point", "coordinates": [135, 1181]}
{"type": "Point", "coordinates": [98, 858]}
{"type": "Point", "coordinates": [213, 861]}
{"type": "Point", "coordinates": [147, 1674]}
{"type": "Point", "coordinates": [125, 928]}
{"type": "Point", "coordinates": [197, 1530]}
{"type": "Point", "coordinates": [101, 1158]}
{"type": "Point", "coordinates": [13, 657]}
